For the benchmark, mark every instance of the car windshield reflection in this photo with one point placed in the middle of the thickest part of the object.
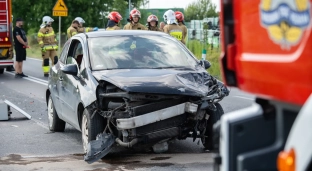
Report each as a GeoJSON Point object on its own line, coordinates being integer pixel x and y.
{"type": "Point", "coordinates": [138, 52]}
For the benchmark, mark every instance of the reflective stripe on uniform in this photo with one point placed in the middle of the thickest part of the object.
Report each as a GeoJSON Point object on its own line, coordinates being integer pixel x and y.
{"type": "Point", "coordinates": [40, 34]}
{"type": "Point", "coordinates": [46, 35]}
{"type": "Point", "coordinates": [49, 34]}
{"type": "Point", "coordinates": [46, 69]}
{"type": "Point", "coordinates": [50, 47]}
{"type": "Point", "coordinates": [177, 34]}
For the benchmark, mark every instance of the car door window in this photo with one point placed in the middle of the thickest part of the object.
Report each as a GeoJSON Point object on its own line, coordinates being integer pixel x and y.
{"type": "Point", "coordinates": [75, 53]}
{"type": "Point", "coordinates": [64, 52]}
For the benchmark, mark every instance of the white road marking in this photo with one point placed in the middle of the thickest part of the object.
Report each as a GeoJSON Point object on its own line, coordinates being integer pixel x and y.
{"type": "Point", "coordinates": [33, 79]}
{"type": "Point", "coordinates": [34, 59]}
{"type": "Point", "coordinates": [40, 123]}
{"type": "Point", "coordinates": [247, 98]}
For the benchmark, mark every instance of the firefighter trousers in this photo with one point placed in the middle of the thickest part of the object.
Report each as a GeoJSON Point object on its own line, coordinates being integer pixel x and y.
{"type": "Point", "coordinates": [46, 55]}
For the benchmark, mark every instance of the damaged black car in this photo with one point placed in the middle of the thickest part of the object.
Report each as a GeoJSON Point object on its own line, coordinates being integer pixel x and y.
{"type": "Point", "coordinates": [132, 89]}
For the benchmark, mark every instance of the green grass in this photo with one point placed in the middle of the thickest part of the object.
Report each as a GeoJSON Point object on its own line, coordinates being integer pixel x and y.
{"type": "Point", "coordinates": [34, 52]}
{"type": "Point", "coordinates": [196, 47]}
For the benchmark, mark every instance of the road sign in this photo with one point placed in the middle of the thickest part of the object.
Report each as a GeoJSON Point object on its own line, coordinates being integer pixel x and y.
{"type": "Point", "coordinates": [60, 9]}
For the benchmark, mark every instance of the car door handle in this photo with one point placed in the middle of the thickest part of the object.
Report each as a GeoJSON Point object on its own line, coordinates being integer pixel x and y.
{"type": "Point", "coordinates": [61, 78]}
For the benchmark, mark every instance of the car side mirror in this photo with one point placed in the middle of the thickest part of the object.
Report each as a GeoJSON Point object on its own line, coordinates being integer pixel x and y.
{"type": "Point", "coordinates": [70, 69]}
{"type": "Point", "coordinates": [205, 64]}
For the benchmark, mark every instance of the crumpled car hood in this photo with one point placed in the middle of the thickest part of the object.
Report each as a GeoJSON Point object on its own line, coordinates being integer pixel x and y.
{"type": "Point", "coordinates": [159, 81]}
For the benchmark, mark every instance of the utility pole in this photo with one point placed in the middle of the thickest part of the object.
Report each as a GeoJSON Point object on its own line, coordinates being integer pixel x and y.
{"type": "Point", "coordinates": [129, 6]}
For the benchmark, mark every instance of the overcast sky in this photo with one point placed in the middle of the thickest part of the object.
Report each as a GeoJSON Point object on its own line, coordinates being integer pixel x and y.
{"type": "Point", "coordinates": [176, 3]}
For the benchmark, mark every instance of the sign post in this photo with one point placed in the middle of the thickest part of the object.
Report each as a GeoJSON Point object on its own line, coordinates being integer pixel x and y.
{"type": "Point", "coordinates": [60, 10]}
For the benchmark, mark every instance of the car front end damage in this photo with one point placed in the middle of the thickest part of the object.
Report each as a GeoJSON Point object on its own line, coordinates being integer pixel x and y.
{"type": "Point", "coordinates": [136, 119]}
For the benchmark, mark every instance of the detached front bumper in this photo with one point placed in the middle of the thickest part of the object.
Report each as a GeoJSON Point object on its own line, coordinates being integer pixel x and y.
{"type": "Point", "coordinates": [156, 116]}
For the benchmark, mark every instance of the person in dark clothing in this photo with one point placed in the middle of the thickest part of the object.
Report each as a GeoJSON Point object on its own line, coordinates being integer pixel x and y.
{"type": "Point", "coordinates": [20, 41]}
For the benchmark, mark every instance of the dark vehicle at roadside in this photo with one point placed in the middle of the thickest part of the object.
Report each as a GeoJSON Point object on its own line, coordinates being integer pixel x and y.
{"type": "Point", "coordinates": [132, 89]}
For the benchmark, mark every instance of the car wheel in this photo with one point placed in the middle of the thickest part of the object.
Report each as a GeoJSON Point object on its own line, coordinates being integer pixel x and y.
{"type": "Point", "coordinates": [214, 117]}
{"type": "Point", "coordinates": [55, 123]}
{"type": "Point", "coordinates": [90, 127]}
{"type": "Point", "coordinates": [1, 70]}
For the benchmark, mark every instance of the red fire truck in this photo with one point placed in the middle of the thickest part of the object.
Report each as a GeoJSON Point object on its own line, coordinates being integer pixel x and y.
{"type": "Point", "coordinates": [267, 51]}
{"type": "Point", "coordinates": [6, 39]}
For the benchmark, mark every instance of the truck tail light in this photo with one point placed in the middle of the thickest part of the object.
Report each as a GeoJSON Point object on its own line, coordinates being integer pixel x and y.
{"type": "Point", "coordinates": [286, 160]}
{"type": "Point", "coordinates": [4, 39]}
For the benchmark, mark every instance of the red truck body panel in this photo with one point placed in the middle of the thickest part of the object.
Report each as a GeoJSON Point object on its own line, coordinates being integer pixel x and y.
{"type": "Point", "coordinates": [270, 54]}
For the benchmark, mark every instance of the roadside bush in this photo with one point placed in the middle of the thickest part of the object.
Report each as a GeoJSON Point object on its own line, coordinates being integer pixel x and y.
{"type": "Point", "coordinates": [213, 53]}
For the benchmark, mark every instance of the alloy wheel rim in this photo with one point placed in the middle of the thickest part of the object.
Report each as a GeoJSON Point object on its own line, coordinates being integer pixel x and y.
{"type": "Point", "coordinates": [85, 133]}
{"type": "Point", "coordinates": [50, 112]}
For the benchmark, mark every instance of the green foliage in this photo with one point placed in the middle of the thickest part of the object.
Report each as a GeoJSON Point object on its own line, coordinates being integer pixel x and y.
{"type": "Point", "coordinates": [196, 47]}
{"type": "Point", "coordinates": [200, 9]}
{"type": "Point", "coordinates": [32, 12]}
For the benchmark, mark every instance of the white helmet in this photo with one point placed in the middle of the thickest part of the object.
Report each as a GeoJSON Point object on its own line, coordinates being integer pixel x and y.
{"type": "Point", "coordinates": [80, 20]}
{"type": "Point", "coordinates": [169, 17]}
{"type": "Point", "coordinates": [47, 19]}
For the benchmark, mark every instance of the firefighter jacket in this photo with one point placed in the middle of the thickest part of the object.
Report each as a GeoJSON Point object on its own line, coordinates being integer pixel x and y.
{"type": "Point", "coordinates": [113, 28]}
{"type": "Point", "coordinates": [175, 31]}
{"type": "Point", "coordinates": [46, 38]}
{"type": "Point", "coordinates": [155, 28]}
{"type": "Point", "coordinates": [71, 31]}
{"type": "Point", "coordinates": [84, 29]}
{"type": "Point", "coordinates": [184, 31]}
{"type": "Point", "coordinates": [131, 26]}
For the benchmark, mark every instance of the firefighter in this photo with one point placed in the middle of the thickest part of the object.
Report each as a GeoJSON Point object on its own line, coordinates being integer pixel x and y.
{"type": "Point", "coordinates": [82, 29]}
{"type": "Point", "coordinates": [114, 19]}
{"type": "Point", "coordinates": [172, 26]}
{"type": "Point", "coordinates": [73, 29]}
{"type": "Point", "coordinates": [180, 18]}
{"type": "Point", "coordinates": [152, 22]}
{"type": "Point", "coordinates": [48, 44]}
{"type": "Point", "coordinates": [133, 20]}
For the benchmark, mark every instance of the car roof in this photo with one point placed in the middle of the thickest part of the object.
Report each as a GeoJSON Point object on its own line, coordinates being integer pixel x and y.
{"type": "Point", "coordinates": [124, 33]}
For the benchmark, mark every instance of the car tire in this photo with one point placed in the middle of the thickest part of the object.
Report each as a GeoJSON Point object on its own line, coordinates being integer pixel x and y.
{"type": "Point", "coordinates": [1, 70]}
{"type": "Point", "coordinates": [90, 127]}
{"type": "Point", "coordinates": [55, 123]}
{"type": "Point", "coordinates": [213, 118]}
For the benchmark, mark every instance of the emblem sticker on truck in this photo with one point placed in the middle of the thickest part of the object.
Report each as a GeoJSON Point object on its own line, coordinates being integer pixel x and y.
{"type": "Point", "coordinates": [285, 20]}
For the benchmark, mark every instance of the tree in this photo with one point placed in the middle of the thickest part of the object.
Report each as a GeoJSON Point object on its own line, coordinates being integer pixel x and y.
{"type": "Point", "coordinates": [91, 11]}
{"type": "Point", "coordinates": [200, 9]}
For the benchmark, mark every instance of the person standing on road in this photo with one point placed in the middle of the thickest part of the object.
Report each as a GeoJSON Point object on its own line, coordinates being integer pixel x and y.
{"type": "Point", "coordinates": [114, 19]}
{"type": "Point", "coordinates": [82, 29]}
{"type": "Point", "coordinates": [162, 25]}
{"type": "Point", "coordinates": [48, 44]}
{"type": "Point", "coordinates": [133, 20]}
{"type": "Point", "coordinates": [152, 21]}
{"type": "Point", "coordinates": [20, 41]}
{"type": "Point", "coordinates": [172, 26]}
{"type": "Point", "coordinates": [180, 18]}
{"type": "Point", "coordinates": [73, 29]}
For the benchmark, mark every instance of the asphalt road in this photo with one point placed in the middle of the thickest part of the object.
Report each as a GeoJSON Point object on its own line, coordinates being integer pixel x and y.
{"type": "Point", "coordinates": [29, 145]}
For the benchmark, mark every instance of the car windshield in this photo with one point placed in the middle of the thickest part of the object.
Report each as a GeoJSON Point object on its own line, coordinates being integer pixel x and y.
{"type": "Point", "coordinates": [138, 52]}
